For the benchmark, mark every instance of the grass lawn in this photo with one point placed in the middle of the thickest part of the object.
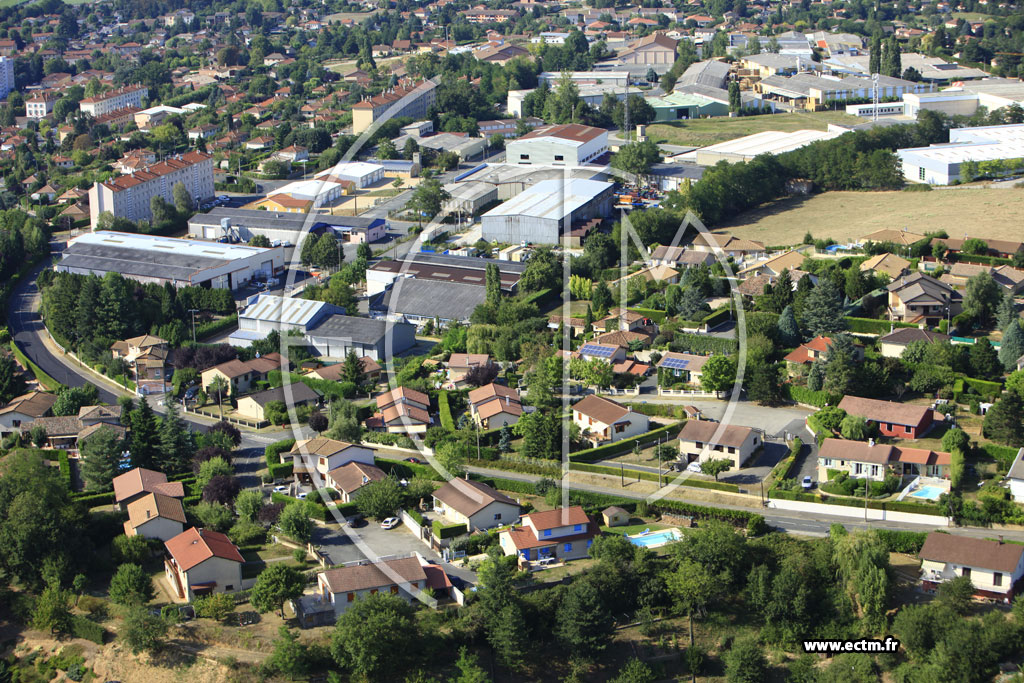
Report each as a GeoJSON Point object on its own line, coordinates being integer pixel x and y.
{"type": "Point", "coordinates": [973, 16]}
{"type": "Point", "coordinates": [704, 132]}
{"type": "Point", "coordinates": [992, 214]}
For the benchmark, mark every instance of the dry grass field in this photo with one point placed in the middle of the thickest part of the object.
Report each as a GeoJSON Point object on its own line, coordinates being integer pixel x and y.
{"type": "Point", "coordinates": [985, 213]}
{"type": "Point", "coordinates": [704, 132]}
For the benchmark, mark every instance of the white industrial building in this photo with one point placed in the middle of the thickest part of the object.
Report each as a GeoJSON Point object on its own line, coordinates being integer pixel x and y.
{"type": "Point", "coordinates": [511, 180]}
{"type": "Point", "coordinates": [940, 164]}
{"type": "Point", "coordinates": [320, 192]}
{"type": "Point", "coordinates": [591, 93]}
{"type": "Point", "coordinates": [553, 78]}
{"type": "Point", "coordinates": [767, 142]}
{"type": "Point", "coordinates": [991, 93]}
{"type": "Point", "coordinates": [323, 327]}
{"type": "Point", "coordinates": [359, 173]}
{"type": "Point", "coordinates": [290, 228]}
{"type": "Point", "coordinates": [180, 262]}
{"type": "Point", "coordinates": [540, 213]}
{"type": "Point", "coordinates": [469, 198]}
{"type": "Point", "coordinates": [570, 144]}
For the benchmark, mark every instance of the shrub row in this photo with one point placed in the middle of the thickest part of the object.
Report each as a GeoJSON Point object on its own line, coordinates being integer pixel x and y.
{"type": "Point", "coordinates": [819, 399]}
{"type": "Point", "coordinates": [84, 628]}
{"type": "Point", "coordinates": [389, 439]}
{"type": "Point", "coordinates": [214, 326]}
{"type": "Point", "coordinates": [718, 317]}
{"type": "Point", "coordinates": [652, 313]}
{"type": "Point", "coordinates": [49, 383]}
{"type": "Point", "coordinates": [618, 447]}
{"type": "Point", "coordinates": [873, 326]}
{"type": "Point", "coordinates": [65, 467]}
{"type": "Point", "coordinates": [1004, 455]}
{"type": "Point", "coordinates": [892, 506]}
{"type": "Point", "coordinates": [407, 470]}
{"type": "Point", "coordinates": [443, 531]}
{"type": "Point", "coordinates": [983, 259]}
{"type": "Point", "coordinates": [324, 387]}
{"type": "Point", "coordinates": [94, 499]}
{"type": "Point", "coordinates": [702, 344]}
{"type": "Point", "coordinates": [273, 452]}
{"type": "Point", "coordinates": [445, 411]}
{"type": "Point", "coordinates": [990, 390]}
{"type": "Point", "coordinates": [908, 542]}
{"type": "Point", "coordinates": [512, 485]}
{"type": "Point", "coordinates": [416, 516]}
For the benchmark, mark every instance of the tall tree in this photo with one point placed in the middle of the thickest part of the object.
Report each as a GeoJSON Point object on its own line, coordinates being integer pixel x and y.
{"type": "Point", "coordinates": [583, 622]}
{"type": "Point", "coordinates": [371, 638]}
{"type": "Point", "coordinates": [145, 436]}
{"type": "Point", "coordinates": [823, 309]}
{"type": "Point", "coordinates": [789, 331]}
{"type": "Point", "coordinates": [100, 455]}
{"type": "Point", "coordinates": [275, 585]}
{"type": "Point", "coordinates": [1011, 348]}
{"type": "Point", "coordinates": [11, 382]}
{"type": "Point", "coordinates": [493, 284]}
{"type": "Point", "coordinates": [175, 440]}
{"type": "Point", "coordinates": [1004, 421]}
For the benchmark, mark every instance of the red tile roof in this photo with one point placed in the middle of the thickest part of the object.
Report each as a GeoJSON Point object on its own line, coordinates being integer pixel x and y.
{"type": "Point", "coordinates": [194, 546]}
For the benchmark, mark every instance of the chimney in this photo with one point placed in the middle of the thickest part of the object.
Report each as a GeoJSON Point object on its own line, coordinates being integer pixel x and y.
{"type": "Point", "coordinates": [871, 442]}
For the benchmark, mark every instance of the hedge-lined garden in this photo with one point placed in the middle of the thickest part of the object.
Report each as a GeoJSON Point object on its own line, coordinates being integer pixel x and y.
{"type": "Point", "coordinates": [620, 447]}
{"type": "Point", "coordinates": [272, 454]}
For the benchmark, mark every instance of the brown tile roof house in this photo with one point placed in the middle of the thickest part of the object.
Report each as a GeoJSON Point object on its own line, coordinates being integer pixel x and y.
{"type": "Point", "coordinates": [33, 404]}
{"type": "Point", "coordinates": [469, 497]}
{"type": "Point", "coordinates": [402, 394]}
{"type": "Point", "coordinates": [906, 335]}
{"type": "Point", "coordinates": [703, 431]}
{"type": "Point", "coordinates": [885, 413]}
{"type": "Point", "coordinates": [334, 372]}
{"type": "Point", "coordinates": [890, 264]}
{"type": "Point", "coordinates": [150, 506]}
{"type": "Point", "coordinates": [352, 476]}
{"type": "Point", "coordinates": [131, 484]}
{"type": "Point", "coordinates": [972, 552]}
{"type": "Point", "coordinates": [194, 546]}
{"type": "Point", "coordinates": [492, 391]}
{"type": "Point", "coordinates": [468, 360]}
{"type": "Point", "coordinates": [880, 454]}
{"type": "Point", "coordinates": [368, 576]}
{"type": "Point", "coordinates": [601, 409]}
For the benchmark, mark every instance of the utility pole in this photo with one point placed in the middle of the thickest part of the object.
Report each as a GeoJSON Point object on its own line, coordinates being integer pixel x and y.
{"type": "Point", "coordinates": [193, 311]}
{"type": "Point", "coordinates": [625, 116]}
{"type": "Point", "coordinates": [874, 90]}
{"type": "Point", "coordinates": [867, 487]}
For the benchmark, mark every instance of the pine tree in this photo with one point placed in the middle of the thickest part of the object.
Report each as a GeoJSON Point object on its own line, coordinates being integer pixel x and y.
{"type": "Point", "coordinates": [789, 331]}
{"type": "Point", "coordinates": [87, 306]}
{"type": "Point", "coordinates": [100, 454]}
{"type": "Point", "coordinates": [1012, 346]}
{"type": "Point", "coordinates": [823, 312]}
{"type": "Point", "coordinates": [875, 60]}
{"type": "Point", "coordinates": [145, 436]}
{"type": "Point", "coordinates": [1006, 313]}
{"type": "Point", "coordinates": [175, 441]}
{"type": "Point", "coordinates": [602, 298]}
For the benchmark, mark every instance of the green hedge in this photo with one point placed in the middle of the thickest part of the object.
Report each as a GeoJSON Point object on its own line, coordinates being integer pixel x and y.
{"type": "Point", "coordinates": [651, 476]}
{"type": "Point", "coordinates": [892, 506]}
{"type": "Point", "coordinates": [443, 531]}
{"type": "Point", "coordinates": [316, 508]}
{"type": "Point", "coordinates": [983, 259]}
{"type": "Point", "coordinates": [325, 387]}
{"type": "Point", "coordinates": [416, 516]}
{"type": "Point", "coordinates": [702, 344]}
{"type": "Point", "coordinates": [445, 411]}
{"type": "Point", "coordinates": [49, 383]}
{"type": "Point", "coordinates": [819, 399]}
{"type": "Point", "coordinates": [619, 447]}
{"type": "Point", "coordinates": [718, 317]}
{"type": "Point", "coordinates": [272, 453]}
{"type": "Point", "coordinates": [988, 389]}
{"type": "Point", "coordinates": [535, 297]}
{"type": "Point", "coordinates": [908, 542]}
{"type": "Point", "coordinates": [873, 326]}
{"type": "Point", "coordinates": [776, 492]}
{"type": "Point", "coordinates": [214, 326]}
{"type": "Point", "coordinates": [407, 470]}
{"type": "Point", "coordinates": [94, 499]}
{"type": "Point", "coordinates": [65, 467]}
{"type": "Point", "coordinates": [89, 630]}
{"type": "Point", "coordinates": [512, 485]}
{"type": "Point", "coordinates": [345, 509]}
{"type": "Point", "coordinates": [1004, 455]}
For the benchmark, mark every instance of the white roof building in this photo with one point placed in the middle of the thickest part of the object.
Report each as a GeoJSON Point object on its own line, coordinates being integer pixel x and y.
{"type": "Point", "coordinates": [941, 164]}
{"type": "Point", "coordinates": [318, 191]}
{"type": "Point", "coordinates": [768, 142]}
{"type": "Point", "coordinates": [541, 212]}
{"type": "Point", "coordinates": [266, 313]}
{"type": "Point", "coordinates": [359, 173]}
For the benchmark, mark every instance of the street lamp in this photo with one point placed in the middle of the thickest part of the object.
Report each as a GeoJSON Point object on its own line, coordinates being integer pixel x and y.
{"type": "Point", "coordinates": [193, 311]}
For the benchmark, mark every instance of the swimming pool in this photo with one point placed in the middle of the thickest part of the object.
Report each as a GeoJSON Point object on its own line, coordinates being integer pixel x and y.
{"type": "Point", "coordinates": [928, 492]}
{"type": "Point", "coordinates": [655, 539]}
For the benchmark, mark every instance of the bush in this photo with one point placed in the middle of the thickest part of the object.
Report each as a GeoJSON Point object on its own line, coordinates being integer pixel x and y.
{"type": "Point", "coordinates": [89, 630]}
{"type": "Point", "coordinates": [247, 533]}
{"type": "Point", "coordinates": [442, 531]}
{"type": "Point", "coordinates": [445, 411]}
{"type": "Point", "coordinates": [908, 542]}
{"type": "Point", "coordinates": [818, 399]}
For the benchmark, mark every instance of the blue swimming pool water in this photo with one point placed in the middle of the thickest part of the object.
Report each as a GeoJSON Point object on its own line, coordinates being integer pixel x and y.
{"type": "Point", "coordinates": [655, 539]}
{"type": "Point", "coordinates": [928, 492]}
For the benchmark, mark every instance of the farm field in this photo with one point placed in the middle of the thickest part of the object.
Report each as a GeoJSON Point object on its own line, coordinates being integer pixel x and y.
{"type": "Point", "coordinates": [985, 213]}
{"type": "Point", "coordinates": [704, 132]}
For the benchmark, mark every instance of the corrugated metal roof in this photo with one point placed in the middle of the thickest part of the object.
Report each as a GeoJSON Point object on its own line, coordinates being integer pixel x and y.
{"type": "Point", "coordinates": [282, 310]}
{"type": "Point", "coordinates": [551, 199]}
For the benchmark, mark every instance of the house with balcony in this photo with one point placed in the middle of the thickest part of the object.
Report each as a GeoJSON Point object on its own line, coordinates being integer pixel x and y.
{"type": "Point", "coordinates": [242, 376]}
{"type": "Point", "coordinates": [320, 455]}
{"type": "Point", "coordinates": [563, 534]}
{"type": "Point", "coordinates": [994, 567]}
{"type": "Point", "coordinates": [602, 420]}
{"type": "Point", "coordinates": [145, 354]}
{"type": "Point", "coordinates": [872, 460]}
{"type": "Point", "coordinates": [459, 365]}
{"type": "Point", "coordinates": [699, 441]}
{"type": "Point", "coordinates": [200, 562]}
{"type": "Point", "coordinates": [920, 298]}
{"type": "Point", "coordinates": [477, 505]}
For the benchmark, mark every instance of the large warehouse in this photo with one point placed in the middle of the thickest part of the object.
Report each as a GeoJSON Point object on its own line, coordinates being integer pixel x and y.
{"type": "Point", "coordinates": [767, 142]}
{"type": "Point", "coordinates": [267, 312]}
{"type": "Point", "coordinates": [942, 164]}
{"type": "Point", "coordinates": [181, 262]}
{"type": "Point", "coordinates": [569, 144]}
{"type": "Point", "coordinates": [442, 268]}
{"type": "Point", "coordinates": [539, 213]}
{"type": "Point", "coordinates": [244, 224]}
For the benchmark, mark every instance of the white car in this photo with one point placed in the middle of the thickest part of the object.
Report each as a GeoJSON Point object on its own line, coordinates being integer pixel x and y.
{"type": "Point", "coordinates": [281, 489]}
{"type": "Point", "coordinates": [301, 496]}
{"type": "Point", "coordinates": [693, 467]}
{"type": "Point", "coordinates": [807, 483]}
{"type": "Point", "coordinates": [390, 523]}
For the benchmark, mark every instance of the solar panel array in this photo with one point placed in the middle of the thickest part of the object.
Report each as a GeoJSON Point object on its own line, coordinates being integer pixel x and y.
{"type": "Point", "coordinates": [597, 350]}
{"type": "Point", "coordinates": [675, 363]}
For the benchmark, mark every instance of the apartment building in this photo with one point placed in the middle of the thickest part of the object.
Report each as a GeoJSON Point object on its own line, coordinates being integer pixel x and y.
{"type": "Point", "coordinates": [129, 196]}
{"type": "Point", "coordinates": [112, 100]}
{"type": "Point", "coordinates": [409, 99]}
{"type": "Point", "coordinates": [6, 77]}
{"type": "Point", "coordinates": [38, 106]}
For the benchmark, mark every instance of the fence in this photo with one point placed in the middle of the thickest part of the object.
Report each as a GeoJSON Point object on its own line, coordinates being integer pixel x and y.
{"type": "Point", "coordinates": [635, 391]}
{"type": "Point", "coordinates": [859, 512]}
{"type": "Point", "coordinates": [252, 424]}
{"type": "Point", "coordinates": [696, 393]}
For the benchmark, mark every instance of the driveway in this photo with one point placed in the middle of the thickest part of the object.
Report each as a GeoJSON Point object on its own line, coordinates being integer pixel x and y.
{"type": "Point", "coordinates": [758, 469]}
{"type": "Point", "coordinates": [806, 464]}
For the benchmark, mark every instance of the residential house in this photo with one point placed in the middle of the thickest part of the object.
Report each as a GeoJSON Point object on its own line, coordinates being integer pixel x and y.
{"type": "Point", "coordinates": [146, 354]}
{"type": "Point", "coordinates": [681, 367]}
{"type": "Point", "coordinates": [814, 350]}
{"type": "Point", "coordinates": [739, 249]}
{"type": "Point", "coordinates": [459, 365]}
{"type": "Point", "coordinates": [295, 395]}
{"type": "Point", "coordinates": [654, 48]}
{"type": "Point", "coordinates": [605, 352]}
{"type": "Point", "coordinates": [67, 432]}
{"type": "Point", "coordinates": [342, 587]}
{"type": "Point", "coordinates": [155, 515]}
{"type": "Point", "coordinates": [901, 238]}
{"type": "Point", "coordinates": [680, 258]}
{"type": "Point", "coordinates": [241, 376]}
{"type": "Point", "coordinates": [603, 420]}
{"type": "Point", "coordinates": [140, 482]}
{"type": "Point", "coordinates": [920, 298]}
{"type": "Point", "coordinates": [1015, 476]}
{"type": "Point", "coordinates": [200, 562]}
{"type": "Point", "coordinates": [334, 373]}
{"type": "Point", "coordinates": [402, 411]}
{"type": "Point", "coordinates": [872, 460]}
{"type": "Point", "coordinates": [997, 248]}
{"type": "Point", "coordinates": [24, 409]}
{"type": "Point", "coordinates": [773, 267]}
{"type": "Point", "coordinates": [886, 264]}
{"type": "Point", "coordinates": [320, 455]}
{"type": "Point", "coordinates": [895, 343]}
{"type": "Point", "coordinates": [477, 505]}
{"type": "Point", "coordinates": [701, 441]}
{"type": "Point", "coordinates": [495, 405]}
{"type": "Point", "coordinates": [564, 534]}
{"type": "Point", "coordinates": [352, 476]}
{"type": "Point", "coordinates": [619, 319]}
{"type": "Point", "coordinates": [1006, 276]}
{"type": "Point", "coordinates": [994, 567]}
{"type": "Point", "coordinates": [578, 325]}
{"type": "Point", "coordinates": [899, 420]}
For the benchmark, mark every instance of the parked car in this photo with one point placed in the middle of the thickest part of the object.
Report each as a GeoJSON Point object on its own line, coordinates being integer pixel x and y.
{"type": "Point", "coordinates": [301, 495]}
{"type": "Point", "coordinates": [807, 483]}
{"type": "Point", "coordinates": [693, 467]}
{"type": "Point", "coordinates": [414, 461]}
{"type": "Point", "coordinates": [281, 489]}
{"type": "Point", "coordinates": [390, 523]}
